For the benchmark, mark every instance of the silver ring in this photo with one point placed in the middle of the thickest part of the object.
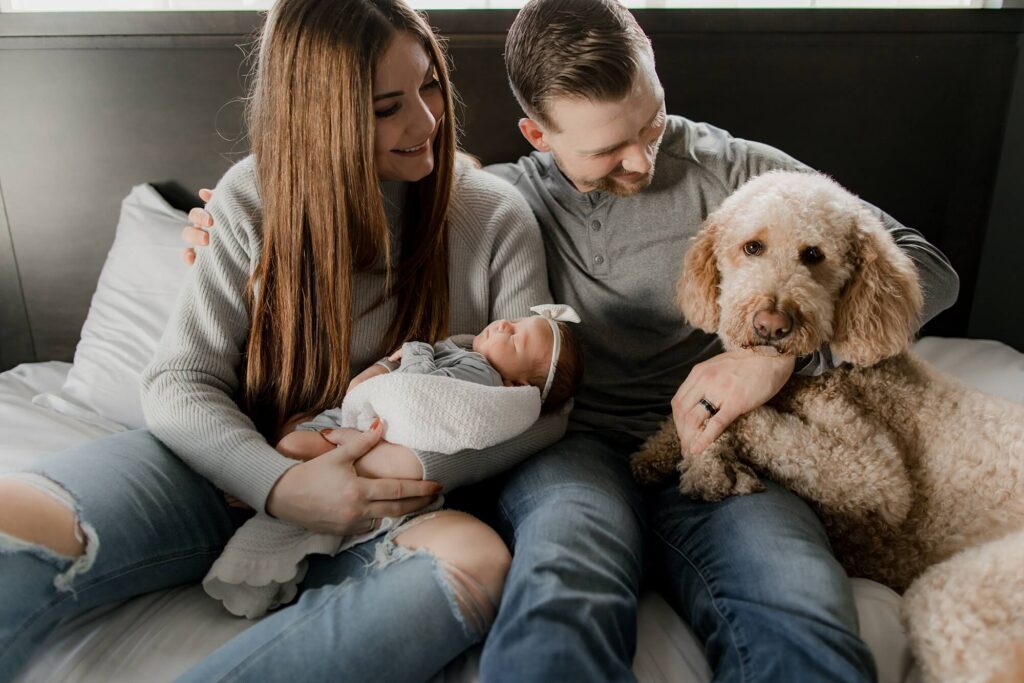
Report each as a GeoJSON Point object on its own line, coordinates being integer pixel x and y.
{"type": "Point", "coordinates": [708, 406]}
{"type": "Point", "coordinates": [374, 523]}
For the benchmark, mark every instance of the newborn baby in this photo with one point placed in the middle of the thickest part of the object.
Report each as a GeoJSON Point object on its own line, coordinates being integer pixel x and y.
{"type": "Point", "coordinates": [538, 351]}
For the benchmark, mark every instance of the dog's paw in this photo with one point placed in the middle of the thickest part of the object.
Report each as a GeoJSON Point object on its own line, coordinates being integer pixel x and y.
{"type": "Point", "coordinates": [657, 458]}
{"type": "Point", "coordinates": [712, 477]}
{"type": "Point", "coordinates": [746, 481]}
{"type": "Point", "coordinates": [649, 467]}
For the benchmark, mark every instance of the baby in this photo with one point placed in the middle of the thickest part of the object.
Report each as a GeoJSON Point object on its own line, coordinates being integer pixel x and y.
{"type": "Point", "coordinates": [540, 351]}
{"type": "Point", "coordinates": [264, 562]}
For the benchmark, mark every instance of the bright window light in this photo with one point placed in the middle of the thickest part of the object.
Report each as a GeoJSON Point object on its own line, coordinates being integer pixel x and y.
{"type": "Point", "coordinates": [194, 5]}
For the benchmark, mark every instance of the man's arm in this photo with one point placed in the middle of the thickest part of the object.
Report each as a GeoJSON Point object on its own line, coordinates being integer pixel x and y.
{"type": "Point", "coordinates": [739, 381]}
{"type": "Point", "coordinates": [734, 161]}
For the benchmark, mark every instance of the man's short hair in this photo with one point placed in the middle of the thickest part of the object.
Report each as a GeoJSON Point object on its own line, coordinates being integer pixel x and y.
{"type": "Point", "coordinates": [577, 48]}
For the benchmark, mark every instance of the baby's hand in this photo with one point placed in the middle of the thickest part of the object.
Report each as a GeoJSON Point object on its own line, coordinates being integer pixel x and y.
{"type": "Point", "coordinates": [396, 357]}
{"type": "Point", "coordinates": [235, 502]}
{"type": "Point", "coordinates": [293, 422]}
{"type": "Point", "coordinates": [303, 445]}
{"type": "Point", "coordinates": [368, 373]}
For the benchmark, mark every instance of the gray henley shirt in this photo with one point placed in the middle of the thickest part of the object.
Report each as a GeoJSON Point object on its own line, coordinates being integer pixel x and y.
{"type": "Point", "coordinates": [616, 261]}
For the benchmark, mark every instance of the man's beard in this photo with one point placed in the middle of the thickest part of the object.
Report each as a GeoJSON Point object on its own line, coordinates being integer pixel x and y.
{"type": "Point", "coordinates": [611, 186]}
{"type": "Point", "coordinates": [608, 183]}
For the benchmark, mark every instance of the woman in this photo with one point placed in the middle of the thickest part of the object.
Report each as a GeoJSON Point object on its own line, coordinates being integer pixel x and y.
{"type": "Point", "coordinates": [348, 231]}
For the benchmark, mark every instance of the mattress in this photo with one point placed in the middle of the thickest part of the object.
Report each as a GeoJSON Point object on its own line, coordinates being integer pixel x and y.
{"type": "Point", "coordinates": [158, 636]}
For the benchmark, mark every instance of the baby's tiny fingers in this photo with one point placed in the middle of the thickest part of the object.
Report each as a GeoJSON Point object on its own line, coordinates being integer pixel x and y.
{"type": "Point", "coordinates": [205, 194]}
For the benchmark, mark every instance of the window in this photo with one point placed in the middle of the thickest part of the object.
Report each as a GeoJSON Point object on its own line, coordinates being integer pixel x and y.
{"type": "Point", "coordinates": [193, 5]}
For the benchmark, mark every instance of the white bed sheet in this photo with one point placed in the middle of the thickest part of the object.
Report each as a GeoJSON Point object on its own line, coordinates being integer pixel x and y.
{"type": "Point", "coordinates": [158, 636]}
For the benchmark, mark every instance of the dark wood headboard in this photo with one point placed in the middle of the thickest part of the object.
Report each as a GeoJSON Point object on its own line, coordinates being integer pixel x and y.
{"type": "Point", "coordinates": [920, 112]}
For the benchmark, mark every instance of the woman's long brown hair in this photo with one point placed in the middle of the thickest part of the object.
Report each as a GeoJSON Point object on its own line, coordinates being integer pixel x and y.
{"type": "Point", "coordinates": [311, 121]}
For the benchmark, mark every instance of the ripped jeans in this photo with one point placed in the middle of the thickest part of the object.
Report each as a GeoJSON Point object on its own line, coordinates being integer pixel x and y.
{"type": "Point", "coordinates": [374, 612]}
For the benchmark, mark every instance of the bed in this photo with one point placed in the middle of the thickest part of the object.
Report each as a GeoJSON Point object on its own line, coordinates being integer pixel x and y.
{"type": "Point", "coordinates": [49, 406]}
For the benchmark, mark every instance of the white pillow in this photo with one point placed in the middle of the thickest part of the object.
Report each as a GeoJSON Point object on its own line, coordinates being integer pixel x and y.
{"type": "Point", "coordinates": [134, 298]}
{"type": "Point", "coordinates": [983, 364]}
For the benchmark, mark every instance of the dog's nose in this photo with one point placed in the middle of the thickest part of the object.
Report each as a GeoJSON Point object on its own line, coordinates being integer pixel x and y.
{"type": "Point", "coordinates": [772, 325]}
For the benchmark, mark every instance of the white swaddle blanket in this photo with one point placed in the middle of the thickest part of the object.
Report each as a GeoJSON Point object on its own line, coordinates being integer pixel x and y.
{"type": "Point", "coordinates": [264, 562]}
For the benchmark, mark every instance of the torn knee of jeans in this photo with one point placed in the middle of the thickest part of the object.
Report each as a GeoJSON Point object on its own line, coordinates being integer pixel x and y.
{"type": "Point", "coordinates": [468, 599]}
{"type": "Point", "coordinates": [471, 598]}
{"type": "Point", "coordinates": [69, 566]}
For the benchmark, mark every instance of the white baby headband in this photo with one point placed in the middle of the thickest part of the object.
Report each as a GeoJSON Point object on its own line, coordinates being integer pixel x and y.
{"type": "Point", "coordinates": [554, 314]}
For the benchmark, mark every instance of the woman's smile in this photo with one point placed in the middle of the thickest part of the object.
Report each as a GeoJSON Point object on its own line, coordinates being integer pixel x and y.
{"type": "Point", "coordinates": [413, 151]}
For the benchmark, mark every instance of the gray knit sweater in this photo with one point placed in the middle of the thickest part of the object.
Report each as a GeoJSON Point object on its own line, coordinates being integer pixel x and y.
{"type": "Point", "coordinates": [497, 270]}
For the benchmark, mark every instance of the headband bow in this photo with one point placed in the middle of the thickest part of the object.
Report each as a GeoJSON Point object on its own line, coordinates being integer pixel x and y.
{"type": "Point", "coordinates": [553, 314]}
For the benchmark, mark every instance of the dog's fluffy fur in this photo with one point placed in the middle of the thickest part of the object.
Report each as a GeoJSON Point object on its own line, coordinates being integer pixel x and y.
{"type": "Point", "coordinates": [919, 480]}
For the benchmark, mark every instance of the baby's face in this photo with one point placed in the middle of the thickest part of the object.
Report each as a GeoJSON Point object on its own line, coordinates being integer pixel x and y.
{"type": "Point", "coordinates": [519, 350]}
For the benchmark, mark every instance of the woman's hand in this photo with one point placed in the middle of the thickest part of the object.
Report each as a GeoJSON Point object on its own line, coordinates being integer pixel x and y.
{"type": "Point", "coordinates": [327, 495]}
{"type": "Point", "coordinates": [734, 383]}
{"type": "Point", "coordinates": [196, 232]}
{"type": "Point", "coordinates": [383, 461]}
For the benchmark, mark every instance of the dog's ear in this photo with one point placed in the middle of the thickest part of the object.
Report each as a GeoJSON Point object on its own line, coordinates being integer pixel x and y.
{"type": "Point", "coordinates": [878, 312]}
{"type": "Point", "coordinates": [697, 289]}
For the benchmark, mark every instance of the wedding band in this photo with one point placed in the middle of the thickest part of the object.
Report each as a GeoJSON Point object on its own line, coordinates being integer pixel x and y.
{"type": "Point", "coordinates": [708, 406]}
{"type": "Point", "coordinates": [374, 523]}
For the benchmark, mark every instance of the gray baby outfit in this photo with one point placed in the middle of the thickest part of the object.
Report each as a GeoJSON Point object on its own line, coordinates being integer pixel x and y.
{"type": "Point", "coordinates": [452, 357]}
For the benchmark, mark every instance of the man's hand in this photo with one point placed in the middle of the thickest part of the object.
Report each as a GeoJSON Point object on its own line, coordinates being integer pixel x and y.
{"type": "Point", "coordinates": [326, 495]}
{"type": "Point", "coordinates": [196, 232]}
{"type": "Point", "coordinates": [734, 382]}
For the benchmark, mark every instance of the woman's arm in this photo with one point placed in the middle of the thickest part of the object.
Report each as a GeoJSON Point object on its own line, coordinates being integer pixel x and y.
{"type": "Point", "coordinates": [188, 390]}
{"type": "Point", "coordinates": [493, 221]}
{"type": "Point", "coordinates": [455, 469]}
{"type": "Point", "coordinates": [512, 251]}
{"type": "Point", "coordinates": [470, 466]}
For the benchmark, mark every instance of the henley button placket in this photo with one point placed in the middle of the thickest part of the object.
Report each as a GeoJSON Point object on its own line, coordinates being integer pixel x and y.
{"type": "Point", "coordinates": [597, 238]}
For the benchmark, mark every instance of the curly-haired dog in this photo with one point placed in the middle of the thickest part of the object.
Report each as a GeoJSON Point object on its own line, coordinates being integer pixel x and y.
{"type": "Point", "coordinates": [920, 481]}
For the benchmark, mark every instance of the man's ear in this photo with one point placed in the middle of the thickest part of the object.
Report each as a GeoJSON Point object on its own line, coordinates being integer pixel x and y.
{"type": "Point", "coordinates": [534, 134]}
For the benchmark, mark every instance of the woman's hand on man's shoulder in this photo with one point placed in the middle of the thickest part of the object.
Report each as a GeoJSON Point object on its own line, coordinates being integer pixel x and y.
{"type": "Point", "coordinates": [196, 233]}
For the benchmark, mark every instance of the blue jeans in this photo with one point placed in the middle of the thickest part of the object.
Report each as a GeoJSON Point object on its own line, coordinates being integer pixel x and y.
{"type": "Point", "coordinates": [572, 516]}
{"type": "Point", "coordinates": [755, 579]}
{"type": "Point", "coordinates": [373, 613]}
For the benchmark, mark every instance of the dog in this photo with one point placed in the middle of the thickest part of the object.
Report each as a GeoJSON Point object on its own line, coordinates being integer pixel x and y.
{"type": "Point", "coordinates": [918, 480]}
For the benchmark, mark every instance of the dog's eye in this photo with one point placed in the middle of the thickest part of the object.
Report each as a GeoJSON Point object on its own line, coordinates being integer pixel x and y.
{"type": "Point", "coordinates": [811, 255]}
{"type": "Point", "coordinates": [753, 248]}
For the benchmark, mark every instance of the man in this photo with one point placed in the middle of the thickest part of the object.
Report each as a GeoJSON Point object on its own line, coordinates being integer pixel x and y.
{"type": "Point", "coordinates": [618, 188]}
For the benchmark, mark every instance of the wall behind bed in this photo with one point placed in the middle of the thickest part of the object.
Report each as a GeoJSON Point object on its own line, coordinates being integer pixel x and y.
{"type": "Point", "coordinates": [920, 112]}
